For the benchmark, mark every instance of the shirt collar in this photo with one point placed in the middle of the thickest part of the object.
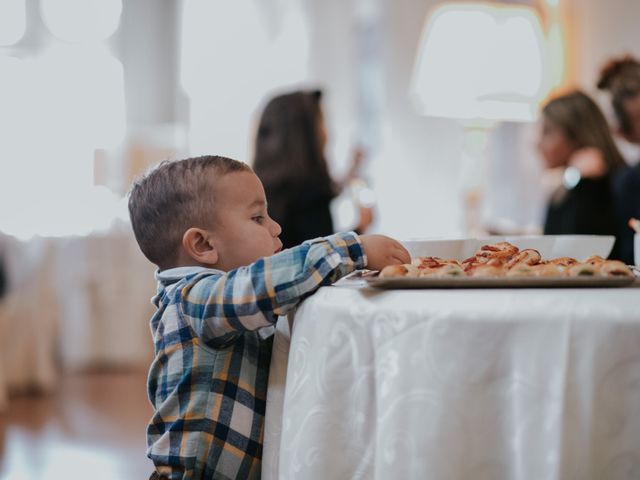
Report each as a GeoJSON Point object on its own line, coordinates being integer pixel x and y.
{"type": "Point", "coordinates": [172, 275]}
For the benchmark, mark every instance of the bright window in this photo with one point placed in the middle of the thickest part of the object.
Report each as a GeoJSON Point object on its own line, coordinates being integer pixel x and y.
{"type": "Point", "coordinates": [12, 21]}
{"type": "Point", "coordinates": [233, 54]}
{"type": "Point", "coordinates": [81, 21]}
{"type": "Point", "coordinates": [60, 103]}
{"type": "Point", "coordinates": [480, 61]}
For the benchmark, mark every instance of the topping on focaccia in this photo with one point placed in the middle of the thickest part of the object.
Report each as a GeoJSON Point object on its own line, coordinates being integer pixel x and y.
{"type": "Point", "coordinates": [528, 256]}
{"type": "Point", "coordinates": [430, 262]}
{"type": "Point", "coordinates": [521, 270]}
{"type": "Point", "coordinates": [398, 271]}
{"type": "Point", "coordinates": [583, 270]}
{"type": "Point", "coordinates": [615, 268]}
{"type": "Point", "coordinates": [502, 250]}
{"type": "Point", "coordinates": [443, 270]}
{"type": "Point", "coordinates": [486, 271]}
{"type": "Point", "coordinates": [565, 261]}
{"type": "Point", "coordinates": [594, 260]}
{"type": "Point", "coordinates": [549, 270]}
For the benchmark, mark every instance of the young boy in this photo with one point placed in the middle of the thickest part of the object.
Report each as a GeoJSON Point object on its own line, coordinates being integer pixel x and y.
{"type": "Point", "coordinates": [223, 280]}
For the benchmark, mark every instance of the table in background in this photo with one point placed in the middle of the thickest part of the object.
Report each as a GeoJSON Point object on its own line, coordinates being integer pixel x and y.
{"type": "Point", "coordinates": [73, 303]}
{"type": "Point", "coordinates": [457, 384]}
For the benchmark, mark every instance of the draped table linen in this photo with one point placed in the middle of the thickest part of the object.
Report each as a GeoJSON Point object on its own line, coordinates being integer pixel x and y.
{"type": "Point", "coordinates": [519, 384]}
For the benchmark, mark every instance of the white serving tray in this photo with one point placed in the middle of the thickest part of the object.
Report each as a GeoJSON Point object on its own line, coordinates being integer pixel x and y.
{"type": "Point", "coordinates": [549, 246]}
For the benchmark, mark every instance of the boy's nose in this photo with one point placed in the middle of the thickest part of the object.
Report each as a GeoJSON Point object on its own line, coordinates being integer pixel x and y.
{"type": "Point", "coordinates": [276, 229]}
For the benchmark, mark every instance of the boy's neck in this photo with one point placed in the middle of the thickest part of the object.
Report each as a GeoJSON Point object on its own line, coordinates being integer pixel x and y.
{"type": "Point", "coordinates": [184, 260]}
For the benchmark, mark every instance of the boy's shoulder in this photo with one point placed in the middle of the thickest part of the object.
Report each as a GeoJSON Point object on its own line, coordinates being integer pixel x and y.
{"type": "Point", "coordinates": [176, 275]}
{"type": "Point", "coordinates": [172, 281]}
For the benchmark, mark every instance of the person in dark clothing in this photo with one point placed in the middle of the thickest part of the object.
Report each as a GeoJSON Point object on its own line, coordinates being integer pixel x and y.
{"type": "Point", "coordinates": [621, 78]}
{"type": "Point", "coordinates": [3, 279]}
{"type": "Point", "coordinates": [626, 188]}
{"type": "Point", "coordinates": [289, 159]}
{"type": "Point", "coordinates": [575, 136]}
{"type": "Point", "coordinates": [4, 283]}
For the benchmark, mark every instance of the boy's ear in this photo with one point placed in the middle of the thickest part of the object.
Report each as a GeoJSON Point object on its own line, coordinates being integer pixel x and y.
{"type": "Point", "coordinates": [198, 243]}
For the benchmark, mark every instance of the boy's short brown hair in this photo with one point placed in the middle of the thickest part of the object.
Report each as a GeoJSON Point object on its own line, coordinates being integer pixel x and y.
{"type": "Point", "coordinates": [170, 199]}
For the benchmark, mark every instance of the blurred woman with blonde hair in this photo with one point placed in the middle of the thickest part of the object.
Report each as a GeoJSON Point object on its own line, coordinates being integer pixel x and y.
{"type": "Point", "coordinates": [575, 136]}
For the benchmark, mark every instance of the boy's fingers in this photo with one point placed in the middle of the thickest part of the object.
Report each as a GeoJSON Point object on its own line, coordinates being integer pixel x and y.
{"type": "Point", "coordinates": [393, 260]}
{"type": "Point", "coordinates": [402, 254]}
{"type": "Point", "coordinates": [398, 259]}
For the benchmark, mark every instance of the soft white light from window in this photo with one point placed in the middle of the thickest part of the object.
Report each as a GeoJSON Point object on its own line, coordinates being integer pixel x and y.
{"type": "Point", "coordinates": [480, 62]}
{"type": "Point", "coordinates": [218, 44]}
{"type": "Point", "coordinates": [289, 52]}
{"type": "Point", "coordinates": [17, 147]}
{"type": "Point", "coordinates": [81, 20]}
{"type": "Point", "coordinates": [57, 110]}
{"type": "Point", "coordinates": [232, 55]}
{"type": "Point", "coordinates": [83, 96]}
{"type": "Point", "coordinates": [555, 54]}
{"type": "Point", "coordinates": [221, 53]}
{"type": "Point", "coordinates": [12, 21]}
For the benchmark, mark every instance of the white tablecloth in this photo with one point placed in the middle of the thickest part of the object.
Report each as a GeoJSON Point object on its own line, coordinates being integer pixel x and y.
{"type": "Point", "coordinates": [457, 384]}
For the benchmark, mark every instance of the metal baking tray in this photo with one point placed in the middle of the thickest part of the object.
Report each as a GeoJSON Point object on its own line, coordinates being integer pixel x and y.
{"type": "Point", "coordinates": [499, 282]}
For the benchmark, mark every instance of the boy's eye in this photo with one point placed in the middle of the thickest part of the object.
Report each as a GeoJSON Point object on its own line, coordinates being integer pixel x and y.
{"type": "Point", "coordinates": [258, 219]}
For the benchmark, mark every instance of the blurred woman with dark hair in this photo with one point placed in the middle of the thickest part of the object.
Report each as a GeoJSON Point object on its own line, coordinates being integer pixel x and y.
{"type": "Point", "coordinates": [575, 136]}
{"type": "Point", "coordinates": [621, 78]}
{"type": "Point", "coordinates": [289, 160]}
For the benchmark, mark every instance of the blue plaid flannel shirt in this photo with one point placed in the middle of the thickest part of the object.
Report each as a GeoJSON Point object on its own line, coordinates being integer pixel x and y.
{"type": "Point", "coordinates": [212, 335]}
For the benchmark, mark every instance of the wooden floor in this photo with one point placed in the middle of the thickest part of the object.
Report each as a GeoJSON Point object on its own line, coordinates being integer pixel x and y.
{"type": "Point", "coordinates": [92, 428]}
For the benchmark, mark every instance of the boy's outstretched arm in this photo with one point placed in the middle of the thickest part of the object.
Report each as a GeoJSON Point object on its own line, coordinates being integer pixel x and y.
{"type": "Point", "coordinates": [218, 307]}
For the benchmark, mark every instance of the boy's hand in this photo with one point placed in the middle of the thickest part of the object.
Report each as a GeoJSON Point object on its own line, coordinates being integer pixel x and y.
{"type": "Point", "coordinates": [382, 251]}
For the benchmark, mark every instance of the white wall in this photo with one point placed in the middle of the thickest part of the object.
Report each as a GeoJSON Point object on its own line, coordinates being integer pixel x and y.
{"type": "Point", "coordinates": [417, 176]}
{"type": "Point", "coordinates": [415, 171]}
{"type": "Point", "coordinates": [603, 29]}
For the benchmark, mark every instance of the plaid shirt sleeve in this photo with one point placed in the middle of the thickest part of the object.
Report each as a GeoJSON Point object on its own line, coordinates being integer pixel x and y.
{"type": "Point", "coordinates": [219, 308]}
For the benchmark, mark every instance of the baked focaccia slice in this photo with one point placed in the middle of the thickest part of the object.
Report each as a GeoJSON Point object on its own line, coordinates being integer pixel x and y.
{"type": "Point", "coordinates": [583, 269]}
{"type": "Point", "coordinates": [549, 270]}
{"type": "Point", "coordinates": [564, 261]}
{"type": "Point", "coordinates": [438, 267]}
{"type": "Point", "coordinates": [406, 270]}
{"type": "Point", "coordinates": [444, 270]}
{"type": "Point", "coordinates": [594, 260]}
{"type": "Point", "coordinates": [482, 271]}
{"type": "Point", "coordinates": [614, 268]}
{"type": "Point", "coordinates": [521, 270]}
